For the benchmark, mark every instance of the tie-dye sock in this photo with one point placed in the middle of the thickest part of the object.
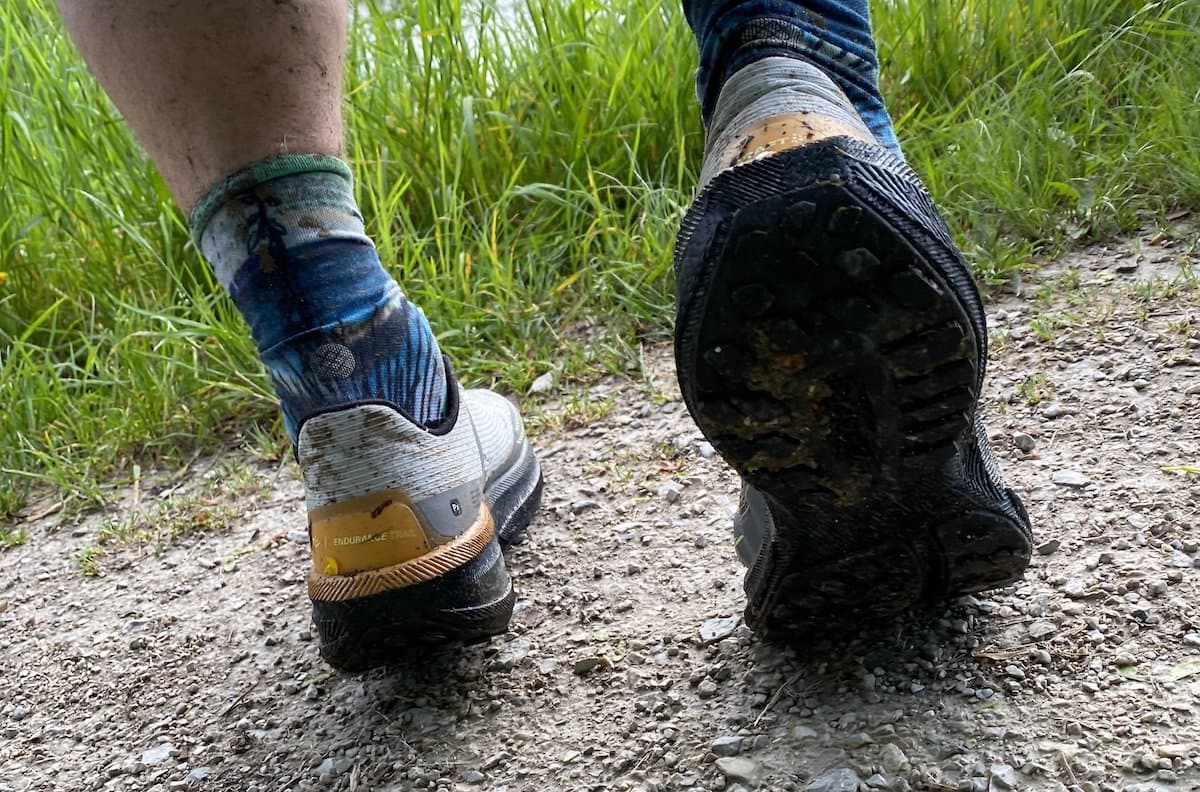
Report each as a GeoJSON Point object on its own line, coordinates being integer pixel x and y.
{"type": "Point", "coordinates": [286, 240]}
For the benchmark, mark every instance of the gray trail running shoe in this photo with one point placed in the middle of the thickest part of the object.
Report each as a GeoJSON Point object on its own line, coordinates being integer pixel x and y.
{"type": "Point", "coordinates": [407, 523]}
{"type": "Point", "coordinates": [830, 343]}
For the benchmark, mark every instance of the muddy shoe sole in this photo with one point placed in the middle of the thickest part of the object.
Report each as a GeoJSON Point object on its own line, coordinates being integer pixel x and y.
{"type": "Point", "coordinates": [470, 598]}
{"type": "Point", "coordinates": [830, 345]}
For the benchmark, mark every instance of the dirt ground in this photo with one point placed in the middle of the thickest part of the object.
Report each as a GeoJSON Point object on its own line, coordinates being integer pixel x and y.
{"type": "Point", "coordinates": [165, 644]}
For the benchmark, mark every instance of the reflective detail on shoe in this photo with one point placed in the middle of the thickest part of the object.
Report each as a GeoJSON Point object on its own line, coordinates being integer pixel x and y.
{"type": "Point", "coordinates": [751, 523]}
{"type": "Point", "coordinates": [498, 428]}
{"type": "Point", "coordinates": [450, 512]}
{"type": "Point", "coordinates": [775, 105]}
{"type": "Point", "coordinates": [439, 561]}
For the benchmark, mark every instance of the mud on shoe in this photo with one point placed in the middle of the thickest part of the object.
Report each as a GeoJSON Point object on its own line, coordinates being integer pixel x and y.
{"type": "Point", "coordinates": [830, 343]}
{"type": "Point", "coordinates": [407, 524]}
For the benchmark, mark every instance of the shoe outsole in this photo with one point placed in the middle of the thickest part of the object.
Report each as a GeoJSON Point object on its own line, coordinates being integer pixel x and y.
{"type": "Point", "coordinates": [825, 348]}
{"type": "Point", "coordinates": [468, 604]}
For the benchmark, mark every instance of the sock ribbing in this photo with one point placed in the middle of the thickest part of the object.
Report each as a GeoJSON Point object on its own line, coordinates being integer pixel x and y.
{"type": "Point", "coordinates": [255, 174]}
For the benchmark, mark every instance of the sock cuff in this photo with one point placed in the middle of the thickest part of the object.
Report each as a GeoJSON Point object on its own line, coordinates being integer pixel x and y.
{"type": "Point", "coordinates": [257, 173]}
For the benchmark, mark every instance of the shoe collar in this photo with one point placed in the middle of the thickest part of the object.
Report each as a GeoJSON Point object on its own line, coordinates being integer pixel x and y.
{"type": "Point", "coordinates": [443, 426]}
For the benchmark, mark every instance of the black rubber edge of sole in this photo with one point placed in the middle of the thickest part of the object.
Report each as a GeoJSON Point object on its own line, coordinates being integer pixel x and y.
{"type": "Point", "coordinates": [783, 347]}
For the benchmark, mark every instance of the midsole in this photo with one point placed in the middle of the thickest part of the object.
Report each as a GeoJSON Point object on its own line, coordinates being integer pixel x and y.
{"type": "Point", "coordinates": [508, 494]}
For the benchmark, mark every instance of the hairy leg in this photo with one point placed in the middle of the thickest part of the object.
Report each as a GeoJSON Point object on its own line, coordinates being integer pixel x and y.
{"type": "Point", "coordinates": [212, 87]}
{"type": "Point", "coordinates": [239, 106]}
{"type": "Point", "coordinates": [412, 484]}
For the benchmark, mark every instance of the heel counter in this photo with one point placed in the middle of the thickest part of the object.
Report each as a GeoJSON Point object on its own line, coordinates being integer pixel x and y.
{"type": "Point", "coordinates": [382, 491]}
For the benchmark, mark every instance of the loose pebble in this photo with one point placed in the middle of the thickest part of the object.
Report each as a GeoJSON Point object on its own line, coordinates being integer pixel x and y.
{"type": "Point", "coordinates": [741, 770]}
{"type": "Point", "coordinates": [841, 780]}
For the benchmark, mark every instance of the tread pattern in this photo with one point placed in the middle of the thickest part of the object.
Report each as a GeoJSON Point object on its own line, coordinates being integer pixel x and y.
{"type": "Point", "coordinates": [830, 345]}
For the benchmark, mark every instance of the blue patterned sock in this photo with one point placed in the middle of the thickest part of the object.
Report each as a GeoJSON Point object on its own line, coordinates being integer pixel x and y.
{"type": "Point", "coordinates": [834, 35]}
{"type": "Point", "coordinates": [286, 240]}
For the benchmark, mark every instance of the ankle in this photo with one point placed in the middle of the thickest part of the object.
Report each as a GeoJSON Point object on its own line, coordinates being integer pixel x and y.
{"type": "Point", "coordinates": [286, 240]}
{"type": "Point", "coordinates": [834, 37]}
{"type": "Point", "coordinates": [773, 105]}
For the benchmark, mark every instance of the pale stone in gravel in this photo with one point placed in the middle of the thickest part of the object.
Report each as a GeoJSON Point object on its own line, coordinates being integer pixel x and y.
{"type": "Point", "coordinates": [158, 753]}
{"type": "Point", "coordinates": [858, 740]}
{"type": "Point", "coordinates": [1049, 548]}
{"type": "Point", "coordinates": [197, 774]}
{"type": "Point", "coordinates": [843, 780]}
{"type": "Point", "coordinates": [1182, 561]}
{"type": "Point", "coordinates": [1138, 521]}
{"type": "Point", "coordinates": [1003, 776]}
{"type": "Point", "coordinates": [1056, 410]}
{"type": "Point", "coordinates": [1023, 441]}
{"type": "Point", "coordinates": [893, 758]}
{"type": "Point", "coordinates": [542, 383]}
{"type": "Point", "coordinates": [802, 732]}
{"type": "Point", "coordinates": [671, 491]}
{"type": "Point", "coordinates": [1075, 589]}
{"type": "Point", "coordinates": [581, 506]}
{"type": "Point", "coordinates": [740, 769]}
{"type": "Point", "coordinates": [713, 630]}
{"type": "Point", "coordinates": [1070, 478]}
{"type": "Point", "coordinates": [586, 665]}
{"type": "Point", "coordinates": [1174, 750]}
{"type": "Point", "coordinates": [511, 655]}
{"type": "Point", "coordinates": [726, 746]}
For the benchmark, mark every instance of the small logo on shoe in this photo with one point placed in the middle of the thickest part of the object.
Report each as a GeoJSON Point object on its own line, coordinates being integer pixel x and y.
{"type": "Point", "coordinates": [455, 507]}
{"type": "Point", "coordinates": [382, 536]}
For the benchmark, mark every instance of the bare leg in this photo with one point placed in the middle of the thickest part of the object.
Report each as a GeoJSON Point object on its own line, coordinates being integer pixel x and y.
{"type": "Point", "coordinates": [211, 87]}
{"type": "Point", "coordinates": [238, 103]}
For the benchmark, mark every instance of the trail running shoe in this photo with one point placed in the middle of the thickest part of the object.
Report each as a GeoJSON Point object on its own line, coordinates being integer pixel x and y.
{"type": "Point", "coordinates": [830, 343]}
{"type": "Point", "coordinates": [407, 524]}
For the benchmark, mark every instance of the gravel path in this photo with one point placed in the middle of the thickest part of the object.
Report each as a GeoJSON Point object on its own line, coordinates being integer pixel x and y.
{"type": "Point", "coordinates": [165, 644]}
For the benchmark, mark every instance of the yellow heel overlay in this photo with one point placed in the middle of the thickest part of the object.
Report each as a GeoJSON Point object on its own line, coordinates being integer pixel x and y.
{"type": "Point", "coordinates": [376, 543]}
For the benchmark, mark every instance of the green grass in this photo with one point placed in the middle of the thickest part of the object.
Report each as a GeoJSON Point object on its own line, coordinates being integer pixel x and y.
{"type": "Point", "coordinates": [525, 190]}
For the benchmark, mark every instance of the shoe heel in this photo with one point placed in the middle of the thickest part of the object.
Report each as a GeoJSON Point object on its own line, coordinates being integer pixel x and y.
{"type": "Point", "coordinates": [466, 603]}
{"type": "Point", "coordinates": [405, 550]}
